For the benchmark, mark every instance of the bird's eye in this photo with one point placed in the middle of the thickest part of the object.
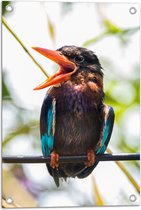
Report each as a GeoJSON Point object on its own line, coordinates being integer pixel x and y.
{"type": "Point", "coordinates": [94, 79]}
{"type": "Point", "coordinates": [79, 59]}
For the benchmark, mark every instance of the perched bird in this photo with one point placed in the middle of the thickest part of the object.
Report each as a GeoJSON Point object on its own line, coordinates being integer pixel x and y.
{"type": "Point", "coordinates": [74, 120]}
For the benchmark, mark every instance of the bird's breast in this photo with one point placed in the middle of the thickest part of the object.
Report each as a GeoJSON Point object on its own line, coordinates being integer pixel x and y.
{"type": "Point", "coordinates": [73, 98]}
{"type": "Point", "coordinates": [78, 121]}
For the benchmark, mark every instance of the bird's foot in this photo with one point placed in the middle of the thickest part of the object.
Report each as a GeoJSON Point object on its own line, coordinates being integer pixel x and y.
{"type": "Point", "coordinates": [54, 163]}
{"type": "Point", "coordinates": [91, 158]}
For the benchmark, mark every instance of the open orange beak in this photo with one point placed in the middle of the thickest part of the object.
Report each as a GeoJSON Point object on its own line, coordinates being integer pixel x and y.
{"type": "Point", "coordinates": [66, 67]}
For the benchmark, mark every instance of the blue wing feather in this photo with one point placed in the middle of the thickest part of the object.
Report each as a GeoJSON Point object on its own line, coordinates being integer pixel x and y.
{"type": "Point", "coordinates": [47, 128]}
{"type": "Point", "coordinates": [107, 131]}
{"type": "Point", "coordinates": [47, 144]}
{"type": "Point", "coordinates": [46, 123]}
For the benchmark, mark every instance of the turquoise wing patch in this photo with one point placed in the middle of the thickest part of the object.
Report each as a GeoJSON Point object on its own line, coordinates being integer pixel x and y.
{"type": "Point", "coordinates": [47, 139]}
{"type": "Point", "coordinates": [108, 127]}
{"type": "Point", "coordinates": [47, 144]}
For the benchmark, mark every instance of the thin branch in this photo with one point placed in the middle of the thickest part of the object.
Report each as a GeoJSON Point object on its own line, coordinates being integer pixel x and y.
{"type": "Point", "coordinates": [97, 195]}
{"type": "Point", "coordinates": [23, 46]}
{"type": "Point", "coordinates": [126, 172]}
{"type": "Point", "coordinates": [70, 159]}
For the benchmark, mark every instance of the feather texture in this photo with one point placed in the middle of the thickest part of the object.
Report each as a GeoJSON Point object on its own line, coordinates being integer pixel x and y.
{"type": "Point", "coordinates": [106, 135]}
{"type": "Point", "coordinates": [48, 117]}
{"type": "Point", "coordinates": [47, 126]}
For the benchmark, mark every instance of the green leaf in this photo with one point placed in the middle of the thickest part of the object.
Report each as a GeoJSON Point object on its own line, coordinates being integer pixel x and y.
{"type": "Point", "coordinates": [111, 27]}
{"type": "Point", "coordinates": [4, 4]}
{"type": "Point", "coordinates": [23, 129]}
{"type": "Point", "coordinates": [51, 29]}
{"type": "Point", "coordinates": [95, 39]}
{"type": "Point", "coordinates": [5, 91]}
{"type": "Point", "coordinates": [129, 31]}
{"type": "Point", "coordinates": [50, 25]}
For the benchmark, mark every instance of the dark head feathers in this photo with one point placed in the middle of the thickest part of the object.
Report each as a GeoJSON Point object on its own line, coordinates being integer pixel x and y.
{"type": "Point", "coordinates": [82, 57]}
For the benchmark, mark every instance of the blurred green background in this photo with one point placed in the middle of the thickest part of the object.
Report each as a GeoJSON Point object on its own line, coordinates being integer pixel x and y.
{"type": "Point", "coordinates": [114, 36]}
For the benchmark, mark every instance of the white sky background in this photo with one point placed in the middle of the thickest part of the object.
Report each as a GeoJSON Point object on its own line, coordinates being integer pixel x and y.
{"type": "Point", "coordinates": [29, 22]}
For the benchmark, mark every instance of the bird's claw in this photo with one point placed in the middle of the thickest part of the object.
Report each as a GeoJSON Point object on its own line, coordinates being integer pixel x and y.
{"type": "Point", "coordinates": [54, 163]}
{"type": "Point", "coordinates": [91, 158]}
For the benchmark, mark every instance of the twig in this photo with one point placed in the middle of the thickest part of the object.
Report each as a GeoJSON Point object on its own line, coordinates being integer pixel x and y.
{"type": "Point", "coordinates": [97, 195]}
{"type": "Point", "coordinates": [23, 46]}
{"type": "Point", "coordinates": [70, 159]}
{"type": "Point", "coordinates": [126, 172]}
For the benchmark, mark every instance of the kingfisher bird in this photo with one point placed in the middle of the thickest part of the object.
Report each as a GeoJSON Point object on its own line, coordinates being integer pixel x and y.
{"type": "Point", "coordinates": [74, 119]}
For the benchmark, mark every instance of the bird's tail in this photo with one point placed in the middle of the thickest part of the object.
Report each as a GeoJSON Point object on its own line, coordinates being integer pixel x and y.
{"type": "Point", "coordinates": [54, 173]}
